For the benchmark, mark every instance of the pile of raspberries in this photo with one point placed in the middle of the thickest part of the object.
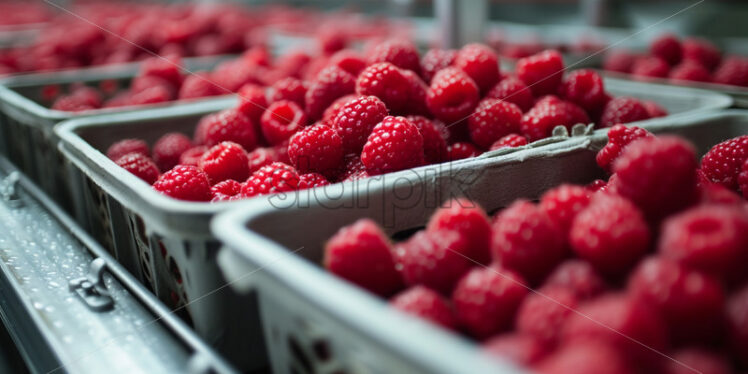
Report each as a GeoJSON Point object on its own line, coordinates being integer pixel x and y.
{"type": "Point", "coordinates": [690, 60]}
{"type": "Point", "coordinates": [644, 273]}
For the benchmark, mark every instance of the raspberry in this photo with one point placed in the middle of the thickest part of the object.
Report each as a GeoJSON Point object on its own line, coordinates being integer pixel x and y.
{"type": "Point", "coordinates": [261, 157]}
{"type": "Point", "coordinates": [252, 102]}
{"type": "Point", "coordinates": [723, 162]}
{"type": "Point", "coordinates": [743, 179]}
{"type": "Point", "coordinates": [184, 183]}
{"type": "Point", "coordinates": [668, 48]}
{"type": "Point", "coordinates": [434, 145]}
{"type": "Point", "coordinates": [514, 91]}
{"type": "Point", "coordinates": [733, 71]}
{"type": "Point", "coordinates": [596, 185]}
{"type": "Point", "coordinates": [480, 63]}
{"type": "Point", "coordinates": [654, 110]}
{"type": "Point", "coordinates": [273, 178]}
{"type": "Point", "coordinates": [650, 67]}
{"type": "Point", "coordinates": [518, 348]}
{"type": "Point", "coordinates": [229, 125]}
{"type": "Point", "coordinates": [400, 53]}
{"type": "Point", "coordinates": [713, 239]}
{"type": "Point", "coordinates": [426, 304]}
{"type": "Point", "coordinates": [394, 144]}
{"type": "Point", "coordinates": [281, 120]}
{"type": "Point", "coordinates": [622, 110]}
{"type": "Point", "coordinates": [192, 156]}
{"type": "Point", "coordinates": [698, 360]}
{"type": "Point", "coordinates": [428, 259]}
{"type": "Point", "coordinates": [452, 95]}
{"type": "Point", "coordinates": [312, 180]}
{"type": "Point", "coordinates": [585, 358]}
{"type": "Point", "coordinates": [225, 160]}
{"type": "Point", "coordinates": [360, 253]}
{"type": "Point", "coordinates": [84, 98]}
{"type": "Point", "coordinates": [486, 300]}
{"type": "Point", "coordinates": [417, 92]}
{"type": "Point", "coordinates": [143, 83]}
{"type": "Point", "coordinates": [563, 203]}
{"type": "Point", "coordinates": [331, 112]}
{"type": "Point", "coordinates": [152, 95]}
{"type": "Point", "coordinates": [386, 82]}
{"type": "Point", "coordinates": [348, 60]}
{"type": "Point", "coordinates": [690, 302]}
{"type": "Point", "coordinates": [543, 314]}
{"type": "Point", "coordinates": [620, 61]}
{"type": "Point", "coordinates": [701, 51]}
{"type": "Point", "coordinates": [549, 112]}
{"type": "Point", "coordinates": [139, 165]}
{"type": "Point", "coordinates": [228, 190]}
{"type": "Point", "coordinates": [541, 72]}
{"type": "Point", "coordinates": [658, 174]}
{"type": "Point", "coordinates": [737, 320]}
{"type": "Point", "coordinates": [329, 84]}
{"type": "Point", "coordinates": [199, 85]}
{"type": "Point", "coordinates": [493, 119]}
{"type": "Point", "coordinates": [354, 169]}
{"type": "Point", "coordinates": [690, 71]}
{"type": "Point", "coordinates": [434, 60]}
{"type": "Point", "coordinates": [317, 149]}
{"type": "Point", "coordinates": [511, 141]}
{"type": "Point", "coordinates": [619, 136]}
{"type": "Point", "coordinates": [356, 119]}
{"type": "Point", "coordinates": [713, 193]}
{"type": "Point", "coordinates": [461, 150]}
{"type": "Point", "coordinates": [526, 240]}
{"type": "Point", "coordinates": [626, 323]}
{"type": "Point", "coordinates": [233, 74]}
{"type": "Point", "coordinates": [577, 276]}
{"type": "Point", "coordinates": [290, 89]}
{"type": "Point", "coordinates": [125, 146]}
{"type": "Point", "coordinates": [470, 225]}
{"type": "Point", "coordinates": [164, 68]}
{"type": "Point", "coordinates": [169, 148]}
{"type": "Point", "coordinates": [331, 40]}
{"type": "Point", "coordinates": [585, 88]}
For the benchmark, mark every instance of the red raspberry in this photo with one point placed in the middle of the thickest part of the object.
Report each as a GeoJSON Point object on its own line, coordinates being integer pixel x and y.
{"type": "Point", "coordinates": [312, 180]}
{"type": "Point", "coordinates": [697, 360]}
{"type": "Point", "coordinates": [199, 85]}
{"type": "Point", "coordinates": [152, 95]}
{"type": "Point", "coordinates": [733, 71]}
{"type": "Point", "coordinates": [317, 149]}
{"type": "Point", "coordinates": [192, 156]}
{"type": "Point", "coordinates": [348, 60]}
{"type": "Point", "coordinates": [526, 240]}
{"type": "Point", "coordinates": [654, 110]}
{"type": "Point", "coordinates": [71, 103]}
{"type": "Point", "coordinates": [691, 303]}
{"type": "Point", "coordinates": [143, 83]}
{"type": "Point", "coordinates": [701, 51]}
{"type": "Point", "coordinates": [541, 72]}
{"type": "Point", "coordinates": [470, 225]}
{"type": "Point", "coordinates": [577, 276]}
{"type": "Point", "coordinates": [620, 61]}
{"type": "Point", "coordinates": [290, 89]}
{"type": "Point", "coordinates": [400, 53]}
{"type": "Point", "coordinates": [563, 203]}
{"type": "Point", "coordinates": [585, 358]}
{"type": "Point", "coordinates": [542, 314]}
{"type": "Point", "coordinates": [331, 40]}
{"type": "Point", "coordinates": [596, 185]}
{"type": "Point", "coordinates": [360, 253]}
{"type": "Point", "coordinates": [139, 165]}
{"type": "Point", "coordinates": [713, 239]}
{"type": "Point", "coordinates": [743, 179]}
{"type": "Point", "coordinates": [511, 141]}
{"type": "Point", "coordinates": [486, 300]}
{"type": "Point", "coordinates": [492, 120]}
{"type": "Point", "coordinates": [184, 183]}
{"type": "Point", "coordinates": [480, 63]}
{"type": "Point", "coordinates": [394, 144]}
{"type": "Point", "coordinates": [273, 178]}
{"type": "Point", "coordinates": [252, 102]}
{"type": "Point", "coordinates": [518, 348]}
{"type": "Point", "coordinates": [261, 157]}
{"type": "Point", "coordinates": [461, 150]}
{"type": "Point", "coordinates": [585, 88]}
{"type": "Point", "coordinates": [228, 190]}
{"type": "Point", "coordinates": [281, 120]}
{"type": "Point", "coordinates": [125, 146]}
{"type": "Point", "coordinates": [229, 125]}
{"type": "Point", "coordinates": [434, 60]}
{"type": "Point", "coordinates": [426, 304]}
{"type": "Point", "coordinates": [354, 169]}
{"type": "Point", "coordinates": [514, 91]}
{"type": "Point", "coordinates": [168, 69]}
{"type": "Point", "coordinates": [668, 48]}
{"type": "Point", "coordinates": [737, 319]}
{"type": "Point", "coordinates": [434, 144]}
{"type": "Point", "coordinates": [619, 136]}
{"type": "Point", "coordinates": [658, 174]}
{"type": "Point", "coordinates": [628, 324]}
{"type": "Point", "coordinates": [429, 259]}
{"type": "Point", "coordinates": [225, 160]}
{"type": "Point", "coordinates": [650, 67]}
{"type": "Point", "coordinates": [549, 112]}
{"type": "Point", "coordinates": [356, 119]}
{"type": "Point", "coordinates": [622, 110]}
{"type": "Point", "coordinates": [690, 71]}
{"type": "Point", "coordinates": [417, 93]}
{"type": "Point", "coordinates": [386, 82]}
{"type": "Point", "coordinates": [723, 162]}
{"type": "Point", "coordinates": [452, 96]}
{"type": "Point", "coordinates": [169, 148]}
{"type": "Point", "coordinates": [233, 74]}
{"type": "Point", "coordinates": [713, 193]}
{"type": "Point", "coordinates": [329, 84]}
{"type": "Point", "coordinates": [331, 112]}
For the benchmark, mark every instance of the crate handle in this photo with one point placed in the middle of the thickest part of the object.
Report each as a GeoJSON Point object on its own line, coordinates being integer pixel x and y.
{"type": "Point", "coordinates": [9, 190]}
{"type": "Point", "coordinates": [92, 289]}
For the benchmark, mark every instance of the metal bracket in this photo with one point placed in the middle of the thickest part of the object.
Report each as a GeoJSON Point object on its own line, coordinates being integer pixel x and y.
{"type": "Point", "coordinates": [91, 288]}
{"type": "Point", "coordinates": [9, 190]}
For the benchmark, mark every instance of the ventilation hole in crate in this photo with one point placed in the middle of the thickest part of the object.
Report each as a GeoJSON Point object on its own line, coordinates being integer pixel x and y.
{"type": "Point", "coordinates": [175, 273]}
{"type": "Point", "coordinates": [298, 354]}
{"type": "Point", "coordinates": [322, 350]}
{"type": "Point", "coordinates": [141, 229]}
